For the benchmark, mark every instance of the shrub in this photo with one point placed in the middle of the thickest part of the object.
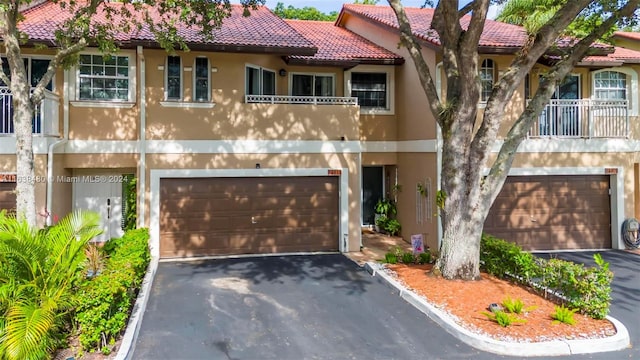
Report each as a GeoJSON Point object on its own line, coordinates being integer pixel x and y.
{"type": "Point", "coordinates": [408, 258]}
{"type": "Point", "coordinates": [515, 306]}
{"type": "Point", "coordinates": [392, 227]}
{"type": "Point", "coordinates": [424, 258]}
{"type": "Point", "coordinates": [564, 315]}
{"type": "Point", "coordinates": [105, 300]}
{"type": "Point", "coordinates": [38, 271]}
{"type": "Point", "coordinates": [582, 288]}
{"type": "Point", "coordinates": [390, 258]}
{"type": "Point", "coordinates": [502, 318]}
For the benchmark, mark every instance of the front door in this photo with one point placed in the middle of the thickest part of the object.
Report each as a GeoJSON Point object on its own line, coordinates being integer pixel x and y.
{"type": "Point", "coordinates": [372, 191]}
{"type": "Point", "coordinates": [101, 194]}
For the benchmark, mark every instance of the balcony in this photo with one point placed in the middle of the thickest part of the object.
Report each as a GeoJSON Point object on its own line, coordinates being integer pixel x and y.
{"type": "Point", "coordinates": [583, 118]}
{"type": "Point", "coordinates": [315, 100]}
{"type": "Point", "coordinates": [45, 120]}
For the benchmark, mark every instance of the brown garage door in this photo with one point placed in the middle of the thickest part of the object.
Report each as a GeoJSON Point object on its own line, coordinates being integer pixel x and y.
{"type": "Point", "coordinates": [553, 212]}
{"type": "Point", "coordinates": [209, 216]}
{"type": "Point", "coordinates": [8, 196]}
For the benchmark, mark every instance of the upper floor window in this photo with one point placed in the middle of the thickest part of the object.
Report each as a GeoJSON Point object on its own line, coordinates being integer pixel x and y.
{"type": "Point", "coordinates": [201, 79]}
{"type": "Point", "coordinates": [370, 88]}
{"type": "Point", "coordinates": [36, 68]}
{"type": "Point", "coordinates": [610, 85]}
{"type": "Point", "coordinates": [173, 80]}
{"type": "Point", "coordinates": [260, 81]}
{"type": "Point", "coordinates": [103, 78]}
{"type": "Point", "coordinates": [312, 85]}
{"type": "Point", "coordinates": [487, 70]}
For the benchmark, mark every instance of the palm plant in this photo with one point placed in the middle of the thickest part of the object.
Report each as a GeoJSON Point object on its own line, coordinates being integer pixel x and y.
{"type": "Point", "coordinates": [38, 269]}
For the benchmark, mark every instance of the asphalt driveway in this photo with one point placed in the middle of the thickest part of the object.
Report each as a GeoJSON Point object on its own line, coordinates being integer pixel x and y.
{"type": "Point", "coordinates": [316, 307]}
{"type": "Point", "coordinates": [296, 307]}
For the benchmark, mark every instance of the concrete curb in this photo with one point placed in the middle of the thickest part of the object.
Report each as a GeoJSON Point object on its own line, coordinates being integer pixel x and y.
{"type": "Point", "coordinates": [133, 326]}
{"type": "Point", "coordinates": [616, 342]}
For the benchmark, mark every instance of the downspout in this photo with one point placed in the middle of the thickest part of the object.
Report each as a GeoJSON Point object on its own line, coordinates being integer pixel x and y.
{"type": "Point", "coordinates": [142, 143]}
{"type": "Point", "coordinates": [54, 145]}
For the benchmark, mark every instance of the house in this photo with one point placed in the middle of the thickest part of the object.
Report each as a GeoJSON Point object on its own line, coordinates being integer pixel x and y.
{"type": "Point", "coordinates": [280, 136]}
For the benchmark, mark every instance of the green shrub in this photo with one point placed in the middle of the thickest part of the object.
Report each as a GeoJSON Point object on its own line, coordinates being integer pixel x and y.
{"type": "Point", "coordinates": [390, 258]}
{"type": "Point", "coordinates": [503, 319]}
{"type": "Point", "coordinates": [408, 258]}
{"type": "Point", "coordinates": [392, 227]}
{"type": "Point", "coordinates": [515, 306]}
{"type": "Point", "coordinates": [38, 272]}
{"type": "Point", "coordinates": [105, 300]}
{"type": "Point", "coordinates": [582, 288]}
{"type": "Point", "coordinates": [424, 258]}
{"type": "Point", "coordinates": [564, 315]}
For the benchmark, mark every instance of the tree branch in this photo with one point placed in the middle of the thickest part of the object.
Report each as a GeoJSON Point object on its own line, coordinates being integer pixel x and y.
{"type": "Point", "coordinates": [518, 131]}
{"type": "Point", "coordinates": [410, 42]}
{"type": "Point", "coordinates": [61, 55]}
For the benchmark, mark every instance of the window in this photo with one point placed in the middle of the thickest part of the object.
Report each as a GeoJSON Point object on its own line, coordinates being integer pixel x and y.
{"type": "Point", "coordinates": [103, 78]}
{"type": "Point", "coordinates": [36, 68]}
{"type": "Point", "coordinates": [201, 89]}
{"type": "Point", "coordinates": [260, 81]}
{"type": "Point", "coordinates": [370, 89]}
{"type": "Point", "coordinates": [527, 87]}
{"type": "Point", "coordinates": [610, 85]}
{"type": "Point", "coordinates": [487, 70]}
{"type": "Point", "coordinates": [173, 82]}
{"type": "Point", "coordinates": [312, 85]}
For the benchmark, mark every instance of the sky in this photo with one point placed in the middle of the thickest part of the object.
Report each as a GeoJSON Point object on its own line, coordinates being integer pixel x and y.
{"type": "Point", "coordinates": [327, 6]}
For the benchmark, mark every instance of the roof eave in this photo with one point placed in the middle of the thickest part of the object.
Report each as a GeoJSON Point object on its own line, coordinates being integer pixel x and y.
{"type": "Point", "coordinates": [342, 62]}
{"type": "Point", "coordinates": [599, 63]}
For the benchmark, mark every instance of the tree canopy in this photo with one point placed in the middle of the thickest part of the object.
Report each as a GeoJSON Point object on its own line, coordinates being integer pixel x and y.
{"type": "Point", "coordinates": [305, 13]}
{"type": "Point", "coordinates": [472, 175]}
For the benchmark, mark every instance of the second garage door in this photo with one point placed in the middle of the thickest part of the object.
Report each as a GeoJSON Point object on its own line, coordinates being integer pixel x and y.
{"type": "Point", "coordinates": [213, 216]}
{"type": "Point", "coordinates": [8, 196]}
{"type": "Point", "coordinates": [553, 212]}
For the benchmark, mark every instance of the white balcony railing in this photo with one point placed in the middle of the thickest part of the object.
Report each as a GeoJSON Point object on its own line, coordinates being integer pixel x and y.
{"type": "Point", "coordinates": [45, 120]}
{"type": "Point", "coordinates": [315, 100]}
{"type": "Point", "coordinates": [583, 118]}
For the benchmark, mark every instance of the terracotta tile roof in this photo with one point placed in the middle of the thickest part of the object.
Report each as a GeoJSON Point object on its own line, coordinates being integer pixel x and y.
{"type": "Point", "coordinates": [619, 56]}
{"type": "Point", "coordinates": [495, 35]}
{"type": "Point", "coordinates": [262, 31]}
{"type": "Point", "coordinates": [628, 35]}
{"type": "Point", "coordinates": [337, 45]}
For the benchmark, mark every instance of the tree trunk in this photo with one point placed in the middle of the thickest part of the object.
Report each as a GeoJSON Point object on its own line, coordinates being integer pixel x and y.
{"type": "Point", "coordinates": [22, 118]}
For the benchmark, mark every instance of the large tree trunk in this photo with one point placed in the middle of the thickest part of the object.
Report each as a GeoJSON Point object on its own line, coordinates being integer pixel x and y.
{"type": "Point", "coordinates": [22, 118]}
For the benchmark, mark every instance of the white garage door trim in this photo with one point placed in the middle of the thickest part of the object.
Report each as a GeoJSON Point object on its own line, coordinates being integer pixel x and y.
{"type": "Point", "coordinates": [616, 182]}
{"type": "Point", "coordinates": [157, 174]}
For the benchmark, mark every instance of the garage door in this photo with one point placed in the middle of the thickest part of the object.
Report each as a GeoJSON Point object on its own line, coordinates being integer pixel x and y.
{"type": "Point", "coordinates": [553, 212]}
{"type": "Point", "coordinates": [8, 196]}
{"type": "Point", "coordinates": [212, 216]}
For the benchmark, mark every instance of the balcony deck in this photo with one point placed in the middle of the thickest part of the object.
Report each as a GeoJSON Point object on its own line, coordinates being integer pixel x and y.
{"type": "Point", "coordinates": [583, 118]}
{"type": "Point", "coordinates": [45, 121]}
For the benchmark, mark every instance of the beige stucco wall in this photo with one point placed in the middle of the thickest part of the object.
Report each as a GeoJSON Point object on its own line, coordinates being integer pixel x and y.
{"type": "Point", "coordinates": [270, 161]}
{"type": "Point", "coordinates": [412, 114]}
{"type": "Point", "coordinates": [414, 168]}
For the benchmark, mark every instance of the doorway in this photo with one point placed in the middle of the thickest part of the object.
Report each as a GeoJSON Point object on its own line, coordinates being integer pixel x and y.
{"type": "Point", "coordinates": [372, 191]}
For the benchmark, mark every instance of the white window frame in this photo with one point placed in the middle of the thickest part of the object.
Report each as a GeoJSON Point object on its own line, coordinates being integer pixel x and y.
{"type": "Point", "coordinates": [208, 98]}
{"type": "Point", "coordinates": [166, 79]}
{"type": "Point", "coordinates": [389, 70]}
{"type": "Point", "coordinates": [331, 75]}
{"type": "Point", "coordinates": [632, 86]}
{"type": "Point", "coordinates": [74, 85]}
{"type": "Point", "coordinates": [261, 69]}
{"type": "Point", "coordinates": [29, 68]}
{"type": "Point", "coordinates": [494, 72]}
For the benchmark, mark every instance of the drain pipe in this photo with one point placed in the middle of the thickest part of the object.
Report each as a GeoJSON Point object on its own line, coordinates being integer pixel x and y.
{"type": "Point", "coordinates": [142, 143]}
{"type": "Point", "coordinates": [54, 145]}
